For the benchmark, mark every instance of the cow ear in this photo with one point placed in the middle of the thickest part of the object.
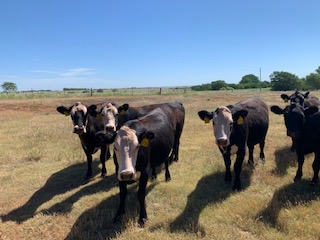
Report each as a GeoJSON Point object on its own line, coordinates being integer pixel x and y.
{"type": "Point", "coordinates": [239, 116]}
{"type": "Point", "coordinates": [145, 138]}
{"type": "Point", "coordinates": [123, 109]}
{"type": "Point", "coordinates": [306, 94]}
{"type": "Point", "coordinates": [277, 110]}
{"type": "Point", "coordinates": [205, 115]}
{"type": "Point", "coordinates": [311, 110]}
{"type": "Point", "coordinates": [64, 110]}
{"type": "Point", "coordinates": [285, 97]}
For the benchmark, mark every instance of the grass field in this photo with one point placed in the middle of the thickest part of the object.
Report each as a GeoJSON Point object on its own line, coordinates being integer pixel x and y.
{"type": "Point", "coordinates": [43, 194]}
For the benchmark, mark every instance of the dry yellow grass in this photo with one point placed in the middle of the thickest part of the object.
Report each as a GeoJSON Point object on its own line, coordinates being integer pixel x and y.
{"type": "Point", "coordinates": [44, 195]}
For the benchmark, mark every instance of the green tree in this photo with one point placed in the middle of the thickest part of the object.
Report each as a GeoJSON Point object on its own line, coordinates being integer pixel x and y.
{"type": "Point", "coordinates": [9, 87]}
{"type": "Point", "coordinates": [250, 81]}
{"type": "Point", "coordinates": [283, 81]}
{"type": "Point", "coordinates": [318, 70]}
{"type": "Point", "coordinates": [217, 85]}
{"type": "Point", "coordinates": [313, 81]}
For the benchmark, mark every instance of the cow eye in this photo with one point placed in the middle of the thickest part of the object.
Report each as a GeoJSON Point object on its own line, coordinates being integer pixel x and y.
{"type": "Point", "coordinates": [231, 126]}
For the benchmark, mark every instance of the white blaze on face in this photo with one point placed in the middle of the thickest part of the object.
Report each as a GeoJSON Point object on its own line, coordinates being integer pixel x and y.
{"type": "Point", "coordinates": [126, 147]}
{"type": "Point", "coordinates": [222, 126]}
{"type": "Point", "coordinates": [79, 107]}
{"type": "Point", "coordinates": [110, 117]}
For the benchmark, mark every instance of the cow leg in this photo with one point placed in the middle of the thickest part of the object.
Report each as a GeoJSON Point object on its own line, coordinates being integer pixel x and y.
{"type": "Point", "coordinates": [123, 195]}
{"type": "Point", "coordinates": [115, 163]}
{"type": "Point", "coordinates": [300, 164]}
{"type": "Point", "coordinates": [103, 160]}
{"type": "Point", "coordinates": [262, 157]}
{"type": "Point", "coordinates": [89, 163]}
{"type": "Point", "coordinates": [250, 160]}
{"type": "Point", "coordinates": [108, 152]}
{"type": "Point", "coordinates": [227, 163]}
{"type": "Point", "coordinates": [167, 174]}
{"type": "Point", "coordinates": [237, 168]}
{"type": "Point", "coordinates": [141, 198]}
{"type": "Point", "coordinates": [293, 147]}
{"type": "Point", "coordinates": [316, 167]}
{"type": "Point", "coordinates": [153, 174]}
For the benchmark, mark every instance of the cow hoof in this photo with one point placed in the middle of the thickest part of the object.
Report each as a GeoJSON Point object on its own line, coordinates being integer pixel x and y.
{"type": "Point", "coordinates": [314, 182]}
{"type": "Point", "coordinates": [168, 179]}
{"type": "Point", "coordinates": [228, 178]}
{"type": "Point", "coordinates": [142, 222]}
{"type": "Point", "coordinates": [153, 178]}
{"type": "Point", "coordinates": [236, 188]}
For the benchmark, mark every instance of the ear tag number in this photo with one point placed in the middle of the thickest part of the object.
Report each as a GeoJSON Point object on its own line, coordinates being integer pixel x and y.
{"type": "Point", "coordinates": [206, 119]}
{"type": "Point", "coordinates": [286, 100]}
{"type": "Point", "coordinates": [240, 120]}
{"type": "Point", "coordinates": [66, 113]}
{"type": "Point", "coordinates": [144, 142]}
{"type": "Point", "coordinates": [122, 112]}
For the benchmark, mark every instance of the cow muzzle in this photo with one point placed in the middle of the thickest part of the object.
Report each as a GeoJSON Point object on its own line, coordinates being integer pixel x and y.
{"type": "Point", "coordinates": [222, 142]}
{"type": "Point", "coordinates": [126, 176]}
{"type": "Point", "coordinates": [79, 130]}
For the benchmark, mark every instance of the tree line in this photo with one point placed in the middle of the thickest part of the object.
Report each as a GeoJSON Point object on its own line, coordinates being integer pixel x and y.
{"type": "Point", "coordinates": [279, 81]}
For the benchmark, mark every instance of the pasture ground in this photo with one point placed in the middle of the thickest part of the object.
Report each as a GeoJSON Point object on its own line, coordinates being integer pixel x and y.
{"type": "Point", "coordinates": [43, 194]}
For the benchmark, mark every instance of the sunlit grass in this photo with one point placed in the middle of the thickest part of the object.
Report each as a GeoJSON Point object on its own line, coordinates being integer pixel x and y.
{"type": "Point", "coordinates": [44, 195]}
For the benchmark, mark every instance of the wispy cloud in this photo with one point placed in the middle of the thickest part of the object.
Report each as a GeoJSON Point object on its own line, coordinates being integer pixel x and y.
{"type": "Point", "coordinates": [77, 72]}
{"type": "Point", "coordinates": [71, 72]}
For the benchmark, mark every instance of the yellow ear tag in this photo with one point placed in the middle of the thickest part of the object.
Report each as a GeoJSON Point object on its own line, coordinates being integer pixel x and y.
{"type": "Point", "coordinates": [66, 113]}
{"type": "Point", "coordinates": [286, 100]}
{"type": "Point", "coordinates": [122, 112]}
{"type": "Point", "coordinates": [144, 142]}
{"type": "Point", "coordinates": [240, 120]}
{"type": "Point", "coordinates": [206, 119]}
{"type": "Point", "coordinates": [99, 117]}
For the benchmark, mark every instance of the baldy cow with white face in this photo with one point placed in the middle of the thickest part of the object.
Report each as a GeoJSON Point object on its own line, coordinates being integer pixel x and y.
{"type": "Point", "coordinates": [86, 126]}
{"type": "Point", "coordinates": [234, 127]}
{"type": "Point", "coordinates": [118, 117]}
{"type": "Point", "coordinates": [140, 143]}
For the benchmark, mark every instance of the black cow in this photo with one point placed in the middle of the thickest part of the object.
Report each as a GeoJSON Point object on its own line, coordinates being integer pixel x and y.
{"type": "Point", "coordinates": [86, 126]}
{"type": "Point", "coordinates": [305, 100]}
{"type": "Point", "coordinates": [146, 141]}
{"type": "Point", "coordinates": [174, 111]}
{"type": "Point", "coordinates": [303, 125]}
{"type": "Point", "coordinates": [235, 126]}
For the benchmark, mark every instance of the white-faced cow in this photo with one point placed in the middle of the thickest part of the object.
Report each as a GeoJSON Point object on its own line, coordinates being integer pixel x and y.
{"type": "Point", "coordinates": [140, 143]}
{"type": "Point", "coordinates": [303, 125]}
{"type": "Point", "coordinates": [234, 127]}
{"type": "Point", "coordinates": [117, 118]}
{"type": "Point", "coordinates": [86, 126]}
{"type": "Point", "coordinates": [305, 100]}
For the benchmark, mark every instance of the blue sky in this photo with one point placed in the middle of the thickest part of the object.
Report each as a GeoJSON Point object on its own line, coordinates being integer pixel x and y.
{"type": "Point", "coordinates": [53, 44]}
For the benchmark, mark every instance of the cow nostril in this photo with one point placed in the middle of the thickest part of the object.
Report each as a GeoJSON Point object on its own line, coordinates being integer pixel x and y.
{"type": "Point", "coordinates": [126, 176]}
{"type": "Point", "coordinates": [222, 142]}
{"type": "Point", "coordinates": [109, 128]}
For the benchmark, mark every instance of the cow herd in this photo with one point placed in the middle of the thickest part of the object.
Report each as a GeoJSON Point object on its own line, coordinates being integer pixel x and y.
{"type": "Point", "coordinates": [149, 136]}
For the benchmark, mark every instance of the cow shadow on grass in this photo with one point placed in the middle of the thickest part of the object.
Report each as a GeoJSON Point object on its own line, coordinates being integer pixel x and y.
{"type": "Point", "coordinates": [286, 197]}
{"type": "Point", "coordinates": [284, 158]}
{"type": "Point", "coordinates": [58, 183]}
{"type": "Point", "coordinates": [211, 189]}
{"type": "Point", "coordinates": [97, 222]}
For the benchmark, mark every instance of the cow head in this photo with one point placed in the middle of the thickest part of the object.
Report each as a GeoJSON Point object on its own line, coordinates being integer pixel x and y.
{"type": "Point", "coordinates": [223, 122]}
{"type": "Point", "coordinates": [294, 117]}
{"type": "Point", "coordinates": [296, 97]}
{"type": "Point", "coordinates": [78, 113]}
{"type": "Point", "coordinates": [108, 113]}
{"type": "Point", "coordinates": [126, 148]}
